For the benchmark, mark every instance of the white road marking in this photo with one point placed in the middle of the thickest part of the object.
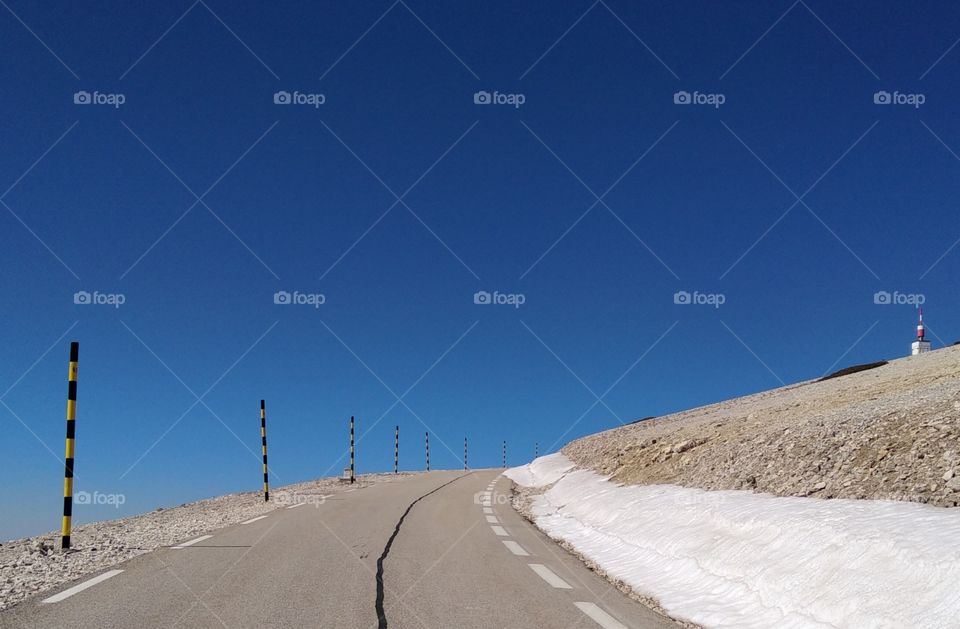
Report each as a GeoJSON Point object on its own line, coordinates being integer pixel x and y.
{"type": "Point", "coordinates": [492, 519]}
{"type": "Point", "coordinates": [56, 598]}
{"type": "Point", "coordinates": [515, 548]}
{"type": "Point", "coordinates": [548, 575]}
{"type": "Point", "coordinates": [253, 520]}
{"type": "Point", "coordinates": [499, 530]}
{"type": "Point", "coordinates": [601, 617]}
{"type": "Point", "coordinates": [192, 542]}
{"type": "Point", "coordinates": [299, 504]}
{"type": "Point", "coordinates": [487, 510]}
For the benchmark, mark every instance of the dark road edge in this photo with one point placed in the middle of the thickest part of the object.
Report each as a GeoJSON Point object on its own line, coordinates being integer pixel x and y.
{"type": "Point", "coordinates": [381, 614]}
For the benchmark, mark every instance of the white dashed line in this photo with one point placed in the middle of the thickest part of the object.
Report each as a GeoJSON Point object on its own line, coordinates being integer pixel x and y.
{"type": "Point", "coordinates": [192, 542]}
{"type": "Point", "coordinates": [601, 617]}
{"type": "Point", "coordinates": [499, 530]}
{"type": "Point", "coordinates": [56, 598]}
{"type": "Point", "coordinates": [515, 548]}
{"type": "Point", "coordinates": [487, 510]}
{"type": "Point", "coordinates": [547, 575]}
{"type": "Point", "coordinates": [492, 519]}
{"type": "Point", "coordinates": [299, 504]}
{"type": "Point", "coordinates": [251, 521]}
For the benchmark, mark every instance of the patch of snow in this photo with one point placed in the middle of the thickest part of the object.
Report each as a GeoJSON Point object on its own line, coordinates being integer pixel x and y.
{"type": "Point", "coordinates": [739, 559]}
{"type": "Point", "coordinates": [542, 471]}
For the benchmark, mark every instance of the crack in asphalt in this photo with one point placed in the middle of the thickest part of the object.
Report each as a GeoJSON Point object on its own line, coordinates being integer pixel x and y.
{"type": "Point", "coordinates": [381, 614]}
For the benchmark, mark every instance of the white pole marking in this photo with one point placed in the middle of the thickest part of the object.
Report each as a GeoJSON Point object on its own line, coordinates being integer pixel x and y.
{"type": "Point", "coordinates": [56, 598]}
{"type": "Point", "coordinates": [601, 617]}
{"type": "Point", "coordinates": [548, 575]}
{"type": "Point", "coordinates": [254, 520]}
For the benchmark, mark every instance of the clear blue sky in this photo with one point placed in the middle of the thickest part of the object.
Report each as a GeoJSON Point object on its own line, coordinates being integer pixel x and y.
{"type": "Point", "coordinates": [494, 198]}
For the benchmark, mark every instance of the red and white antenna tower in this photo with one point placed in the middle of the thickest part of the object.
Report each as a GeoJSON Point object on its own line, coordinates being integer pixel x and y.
{"type": "Point", "coordinates": [921, 345]}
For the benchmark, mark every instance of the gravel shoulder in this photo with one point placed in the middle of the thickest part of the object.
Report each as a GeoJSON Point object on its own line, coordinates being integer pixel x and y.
{"type": "Point", "coordinates": [35, 564]}
{"type": "Point", "coordinates": [890, 433]}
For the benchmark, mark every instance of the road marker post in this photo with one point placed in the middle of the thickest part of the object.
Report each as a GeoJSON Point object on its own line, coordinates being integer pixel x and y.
{"type": "Point", "coordinates": [536, 449]}
{"type": "Point", "coordinates": [504, 453]}
{"type": "Point", "coordinates": [464, 453]}
{"type": "Point", "coordinates": [263, 443]}
{"type": "Point", "coordinates": [69, 453]}
{"type": "Point", "coordinates": [428, 451]}
{"type": "Point", "coordinates": [396, 450]}
{"type": "Point", "coordinates": [352, 478]}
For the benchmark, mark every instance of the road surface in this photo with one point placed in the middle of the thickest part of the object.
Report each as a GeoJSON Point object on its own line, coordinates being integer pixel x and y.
{"type": "Point", "coordinates": [430, 551]}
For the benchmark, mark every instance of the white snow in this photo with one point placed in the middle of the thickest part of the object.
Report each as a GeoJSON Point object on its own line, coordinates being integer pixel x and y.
{"type": "Point", "coordinates": [740, 559]}
{"type": "Point", "coordinates": [542, 471]}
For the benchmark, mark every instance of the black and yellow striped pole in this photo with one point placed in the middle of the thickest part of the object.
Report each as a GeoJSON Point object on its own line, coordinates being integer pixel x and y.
{"type": "Point", "coordinates": [396, 451]}
{"type": "Point", "coordinates": [351, 449]}
{"type": "Point", "coordinates": [428, 451]}
{"type": "Point", "coordinates": [263, 441]}
{"type": "Point", "coordinates": [71, 436]}
{"type": "Point", "coordinates": [464, 453]}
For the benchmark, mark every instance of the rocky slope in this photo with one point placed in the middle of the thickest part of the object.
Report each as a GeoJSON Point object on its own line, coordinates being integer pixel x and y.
{"type": "Point", "coordinates": [887, 433]}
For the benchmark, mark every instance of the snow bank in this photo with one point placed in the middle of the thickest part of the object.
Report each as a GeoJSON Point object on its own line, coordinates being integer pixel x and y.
{"type": "Point", "coordinates": [543, 471]}
{"type": "Point", "coordinates": [739, 559]}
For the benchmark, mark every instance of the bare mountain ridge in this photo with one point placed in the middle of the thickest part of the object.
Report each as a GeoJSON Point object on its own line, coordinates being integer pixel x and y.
{"type": "Point", "coordinates": [892, 432]}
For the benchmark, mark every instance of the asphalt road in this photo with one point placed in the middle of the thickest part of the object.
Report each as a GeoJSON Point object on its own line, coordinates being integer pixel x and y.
{"type": "Point", "coordinates": [431, 551]}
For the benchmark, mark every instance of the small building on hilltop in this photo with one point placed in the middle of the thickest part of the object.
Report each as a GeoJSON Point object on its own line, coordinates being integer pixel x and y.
{"type": "Point", "coordinates": [921, 345]}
